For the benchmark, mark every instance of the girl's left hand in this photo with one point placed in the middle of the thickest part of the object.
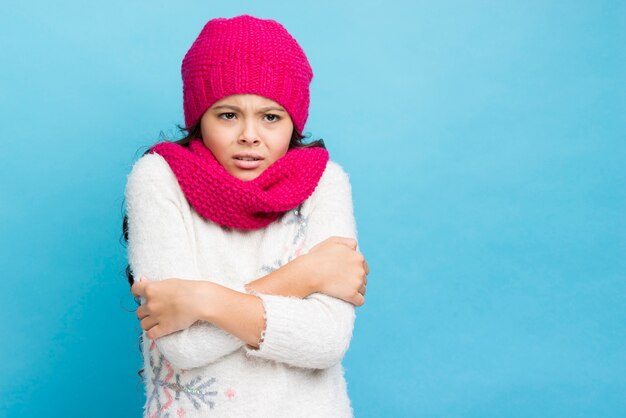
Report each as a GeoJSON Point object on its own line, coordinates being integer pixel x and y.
{"type": "Point", "coordinates": [170, 305]}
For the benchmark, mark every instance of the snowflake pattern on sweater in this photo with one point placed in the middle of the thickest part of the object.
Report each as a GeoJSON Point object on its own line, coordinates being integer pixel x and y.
{"type": "Point", "coordinates": [288, 253]}
{"type": "Point", "coordinates": [167, 382]}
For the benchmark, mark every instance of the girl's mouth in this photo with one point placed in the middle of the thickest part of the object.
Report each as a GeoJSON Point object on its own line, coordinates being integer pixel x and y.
{"type": "Point", "coordinates": [247, 163]}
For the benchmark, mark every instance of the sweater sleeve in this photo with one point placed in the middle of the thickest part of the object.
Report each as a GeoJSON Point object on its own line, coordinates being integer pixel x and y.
{"type": "Point", "coordinates": [313, 332]}
{"type": "Point", "coordinates": [159, 247]}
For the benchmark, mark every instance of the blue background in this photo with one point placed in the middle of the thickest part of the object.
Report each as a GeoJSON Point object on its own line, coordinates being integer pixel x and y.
{"type": "Point", "coordinates": [485, 143]}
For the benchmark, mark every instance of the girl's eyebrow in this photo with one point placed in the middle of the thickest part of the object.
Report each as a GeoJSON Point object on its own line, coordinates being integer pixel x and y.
{"type": "Point", "coordinates": [261, 110]}
{"type": "Point", "coordinates": [267, 109]}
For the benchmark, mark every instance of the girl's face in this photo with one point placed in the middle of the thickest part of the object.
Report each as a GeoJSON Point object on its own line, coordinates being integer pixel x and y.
{"type": "Point", "coordinates": [246, 133]}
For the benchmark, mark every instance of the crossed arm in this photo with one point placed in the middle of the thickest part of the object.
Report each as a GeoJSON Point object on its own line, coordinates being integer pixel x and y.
{"type": "Point", "coordinates": [175, 304]}
{"type": "Point", "coordinates": [303, 326]}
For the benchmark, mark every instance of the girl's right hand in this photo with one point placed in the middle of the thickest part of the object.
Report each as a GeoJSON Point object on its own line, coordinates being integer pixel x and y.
{"type": "Point", "coordinates": [338, 269]}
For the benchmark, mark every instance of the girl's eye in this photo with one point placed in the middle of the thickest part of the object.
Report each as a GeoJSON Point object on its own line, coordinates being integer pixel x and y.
{"type": "Point", "coordinates": [272, 118]}
{"type": "Point", "coordinates": [227, 115]}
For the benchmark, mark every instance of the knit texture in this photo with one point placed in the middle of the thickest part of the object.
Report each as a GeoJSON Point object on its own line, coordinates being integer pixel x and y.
{"type": "Point", "coordinates": [203, 371]}
{"type": "Point", "coordinates": [229, 201]}
{"type": "Point", "coordinates": [246, 55]}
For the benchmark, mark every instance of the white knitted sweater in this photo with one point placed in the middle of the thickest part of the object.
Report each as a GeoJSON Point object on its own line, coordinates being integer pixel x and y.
{"type": "Point", "coordinates": [203, 371]}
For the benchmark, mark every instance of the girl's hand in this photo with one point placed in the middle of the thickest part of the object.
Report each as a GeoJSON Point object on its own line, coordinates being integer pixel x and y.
{"type": "Point", "coordinates": [338, 269]}
{"type": "Point", "coordinates": [170, 305]}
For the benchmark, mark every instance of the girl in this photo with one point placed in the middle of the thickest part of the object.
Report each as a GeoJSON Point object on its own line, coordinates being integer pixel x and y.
{"type": "Point", "coordinates": [244, 240]}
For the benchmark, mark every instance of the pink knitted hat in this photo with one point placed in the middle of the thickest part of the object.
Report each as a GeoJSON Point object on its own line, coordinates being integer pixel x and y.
{"type": "Point", "coordinates": [245, 55]}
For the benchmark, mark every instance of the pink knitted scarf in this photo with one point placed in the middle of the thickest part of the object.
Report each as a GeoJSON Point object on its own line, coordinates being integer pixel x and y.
{"type": "Point", "coordinates": [229, 201]}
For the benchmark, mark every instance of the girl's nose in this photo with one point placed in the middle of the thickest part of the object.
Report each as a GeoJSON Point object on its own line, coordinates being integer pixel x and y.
{"type": "Point", "coordinates": [248, 135]}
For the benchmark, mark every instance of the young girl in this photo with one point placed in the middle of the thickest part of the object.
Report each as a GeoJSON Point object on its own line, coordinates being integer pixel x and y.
{"type": "Point", "coordinates": [244, 240]}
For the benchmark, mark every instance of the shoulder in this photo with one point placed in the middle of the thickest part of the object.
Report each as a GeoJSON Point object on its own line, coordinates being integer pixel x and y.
{"type": "Point", "coordinates": [150, 166]}
{"type": "Point", "coordinates": [334, 185]}
{"type": "Point", "coordinates": [334, 175]}
{"type": "Point", "coordinates": [150, 172]}
{"type": "Point", "coordinates": [330, 208]}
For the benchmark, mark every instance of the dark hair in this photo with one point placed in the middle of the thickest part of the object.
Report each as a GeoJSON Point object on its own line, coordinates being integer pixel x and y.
{"type": "Point", "coordinates": [191, 133]}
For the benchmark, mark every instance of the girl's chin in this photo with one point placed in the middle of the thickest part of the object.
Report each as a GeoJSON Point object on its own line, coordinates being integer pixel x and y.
{"type": "Point", "coordinates": [245, 174]}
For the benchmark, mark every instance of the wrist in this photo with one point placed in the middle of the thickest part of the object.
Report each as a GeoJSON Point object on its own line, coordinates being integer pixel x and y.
{"type": "Point", "coordinates": [303, 268]}
{"type": "Point", "coordinates": [210, 296]}
{"type": "Point", "coordinates": [292, 279]}
{"type": "Point", "coordinates": [239, 314]}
